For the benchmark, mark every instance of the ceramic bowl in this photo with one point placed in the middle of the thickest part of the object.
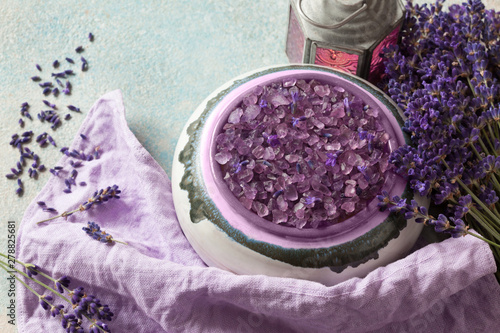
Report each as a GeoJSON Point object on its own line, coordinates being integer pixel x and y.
{"type": "Point", "coordinates": [227, 235]}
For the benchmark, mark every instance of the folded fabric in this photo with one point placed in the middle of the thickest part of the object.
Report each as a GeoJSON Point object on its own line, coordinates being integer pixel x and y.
{"type": "Point", "coordinates": [157, 283]}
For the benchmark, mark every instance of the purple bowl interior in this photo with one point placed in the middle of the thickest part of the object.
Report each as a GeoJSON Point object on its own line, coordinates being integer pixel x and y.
{"type": "Point", "coordinates": [259, 228]}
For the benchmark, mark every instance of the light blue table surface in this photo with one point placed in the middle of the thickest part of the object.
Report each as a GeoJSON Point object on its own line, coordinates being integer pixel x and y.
{"type": "Point", "coordinates": [165, 56]}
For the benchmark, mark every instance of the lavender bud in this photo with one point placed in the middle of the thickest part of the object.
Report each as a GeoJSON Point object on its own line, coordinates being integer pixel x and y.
{"type": "Point", "coordinates": [79, 49]}
{"type": "Point", "coordinates": [38, 67]}
{"type": "Point", "coordinates": [70, 60]}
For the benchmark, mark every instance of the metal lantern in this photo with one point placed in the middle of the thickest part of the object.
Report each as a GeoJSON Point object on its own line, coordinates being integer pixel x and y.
{"type": "Point", "coordinates": [347, 35]}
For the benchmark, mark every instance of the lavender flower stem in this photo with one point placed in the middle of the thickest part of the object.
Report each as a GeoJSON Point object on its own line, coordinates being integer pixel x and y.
{"type": "Point", "coordinates": [487, 220]}
{"type": "Point", "coordinates": [483, 146]}
{"type": "Point", "coordinates": [488, 138]}
{"type": "Point", "coordinates": [484, 239]}
{"type": "Point", "coordinates": [39, 282]}
{"type": "Point", "coordinates": [484, 224]}
{"type": "Point", "coordinates": [4, 267]}
{"type": "Point", "coordinates": [491, 146]}
{"type": "Point", "coordinates": [61, 215]}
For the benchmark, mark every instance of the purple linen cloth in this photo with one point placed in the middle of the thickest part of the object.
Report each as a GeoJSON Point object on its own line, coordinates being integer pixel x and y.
{"type": "Point", "coordinates": [159, 284]}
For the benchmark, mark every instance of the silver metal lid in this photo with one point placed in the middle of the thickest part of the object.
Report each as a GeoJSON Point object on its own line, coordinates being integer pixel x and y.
{"type": "Point", "coordinates": [351, 23]}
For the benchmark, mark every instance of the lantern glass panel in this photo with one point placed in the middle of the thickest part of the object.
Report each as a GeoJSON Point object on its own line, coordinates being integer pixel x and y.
{"type": "Point", "coordinates": [340, 60]}
{"type": "Point", "coordinates": [295, 39]}
{"type": "Point", "coordinates": [377, 62]}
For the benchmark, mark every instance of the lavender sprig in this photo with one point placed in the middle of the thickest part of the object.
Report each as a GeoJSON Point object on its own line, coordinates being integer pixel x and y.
{"type": "Point", "coordinates": [94, 230]}
{"type": "Point", "coordinates": [99, 197]}
{"type": "Point", "coordinates": [83, 305]}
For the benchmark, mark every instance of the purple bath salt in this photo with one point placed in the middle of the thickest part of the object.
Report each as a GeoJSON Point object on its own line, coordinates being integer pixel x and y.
{"type": "Point", "coordinates": [303, 154]}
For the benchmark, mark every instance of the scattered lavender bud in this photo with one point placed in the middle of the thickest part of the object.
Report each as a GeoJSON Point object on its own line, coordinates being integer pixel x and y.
{"type": "Point", "coordinates": [34, 173]}
{"type": "Point", "coordinates": [58, 167]}
{"type": "Point", "coordinates": [67, 117]}
{"type": "Point", "coordinates": [59, 83]}
{"type": "Point", "coordinates": [55, 91]}
{"type": "Point", "coordinates": [70, 60]}
{"type": "Point", "coordinates": [96, 153]}
{"type": "Point", "coordinates": [43, 142]}
{"type": "Point", "coordinates": [38, 67]}
{"type": "Point", "coordinates": [35, 157]}
{"type": "Point", "coordinates": [19, 166]}
{"type": "Point", "coordinates": [46, 91]}
{"type": "Point", "coordinates": [34, 165]}
{"type": "Point", "coordinates": [79, 49]}
{"type": "Point", "coordinates": [19, 191]}
{"type": "Point", "coordinates": [14, 171]}
{"type": "Point", "coordinates": [76, 164]}
{"type": "Point", "coordinates": [82, 184]}
{"type": "Point", "coordinates": [21, 122]}
{"type": "Point", "coordinates": [36, 78]}
{"type": "Point", "coordinates": [41, 136]}
{"type": "Point", "coordinates": [67, 89]}
{"type": "Point", "coordinates": [49, 104]}
{"type": "Point", "coordinates": [51, 140]}
{"type": "Point", "coordinates": [83, 136]}
{"type": "Point", "coordinates": [63, 149]}
{"type": "Point", "coordinates": [10, 176]}
{"type": "Point", "coordinates": [91, 37]}
{"type": "Point", "coordinates": [73, 108]}
{"type": "Point", "coordinates": [41, 167]}
{"type": "Point", "coordinates": [20, 182]}
{"type": "Point", "coordinates": [74, 173]}
{"type": "Point", "coordinates": [55, 64]}
{"type": "Point", "coordinates": [50, 209]}
{"type": "Point", "coordinates": [85, 65]}
{"type": "Point", "coordinates": [67, 190]}
{"type": "Point", "coordinates": [69, 72]}
{"type": "Point", "coordinates": [45, 84]}
{"type": "Point", "coordinates": [41, 203]}
{"type": "Point", "coordinates": [60, 75]}
{"type": "Point", "coordinates": [30, 173]}
{"type": "Point", "coordinates": [89, 158]}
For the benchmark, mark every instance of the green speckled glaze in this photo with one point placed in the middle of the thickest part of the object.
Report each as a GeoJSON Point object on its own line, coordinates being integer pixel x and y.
{"type": "Point", "coordinates": [338, 257]}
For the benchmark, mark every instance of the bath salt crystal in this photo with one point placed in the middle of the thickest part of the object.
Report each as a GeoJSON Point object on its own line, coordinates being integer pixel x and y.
{"type": "Point", "coordinates": [303, 154]}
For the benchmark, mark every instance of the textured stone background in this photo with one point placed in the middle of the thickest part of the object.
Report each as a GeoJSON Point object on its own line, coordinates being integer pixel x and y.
{"type": "Point", "coordinates": [165, 56]}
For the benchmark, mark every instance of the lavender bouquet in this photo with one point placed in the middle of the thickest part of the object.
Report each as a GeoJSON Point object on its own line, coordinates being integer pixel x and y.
{"type": "Point", "coordinates": [444, 76]}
